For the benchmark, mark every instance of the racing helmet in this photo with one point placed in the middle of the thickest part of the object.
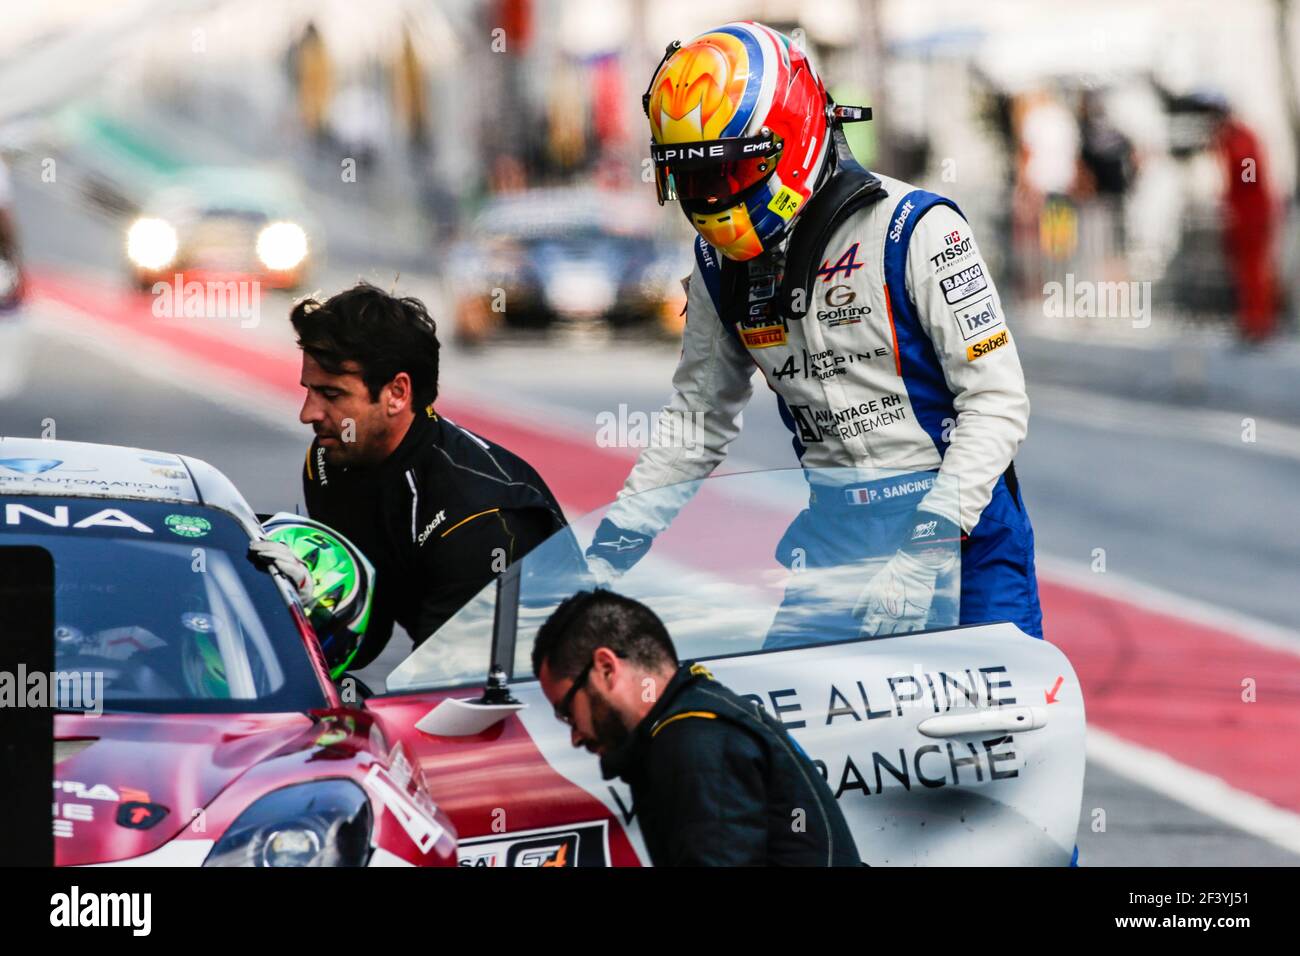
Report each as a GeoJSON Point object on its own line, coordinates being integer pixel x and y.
{"type": "Point", "coordinates": [203, 668]}
{"type": "Point", "coordinates": [739, 126]}
{"type": "Point", "coordinates": [343, 582]}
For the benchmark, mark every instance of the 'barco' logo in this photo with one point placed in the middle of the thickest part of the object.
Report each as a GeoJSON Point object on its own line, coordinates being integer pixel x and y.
{"type": "Point", "coordinates": [985, 346]}
{"type": "Point", "coordinates": [964, 284]}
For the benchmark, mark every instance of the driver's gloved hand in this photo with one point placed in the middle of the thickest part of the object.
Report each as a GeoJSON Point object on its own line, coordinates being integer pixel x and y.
{"type": "Point", "coordinates": [614, 550]}
{"type": "Point", "coordinates": [280, 556]}
{"type": "Point", "coordinates": [897, 599]}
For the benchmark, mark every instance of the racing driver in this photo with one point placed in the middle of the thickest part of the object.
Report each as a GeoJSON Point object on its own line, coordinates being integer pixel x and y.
{"type": "Point", "coordinates": [865, 303]}
{"type": "Point", "coordinates": [437, 509]}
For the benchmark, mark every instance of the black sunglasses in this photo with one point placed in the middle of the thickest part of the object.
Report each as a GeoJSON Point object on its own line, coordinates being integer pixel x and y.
{"type": "Point", "coordinates": [564, 709]}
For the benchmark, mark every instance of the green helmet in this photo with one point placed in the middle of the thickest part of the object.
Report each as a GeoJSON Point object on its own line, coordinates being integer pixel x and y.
{"type": "Point", "coordinates": [203, 667]}
{"type": "Point", "coordinates": [343, 582]}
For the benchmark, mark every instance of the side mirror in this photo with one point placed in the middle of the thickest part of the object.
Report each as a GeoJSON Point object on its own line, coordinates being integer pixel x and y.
{"type": "Point", "coordinates": [466, 717]}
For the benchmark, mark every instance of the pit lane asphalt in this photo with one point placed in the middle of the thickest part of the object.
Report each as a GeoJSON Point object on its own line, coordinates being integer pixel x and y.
{"type": "Point", "coordinates": [1196, 517]}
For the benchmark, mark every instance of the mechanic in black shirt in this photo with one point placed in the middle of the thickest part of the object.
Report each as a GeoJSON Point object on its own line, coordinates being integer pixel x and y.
{"type": "Point", "coordinates": [437, 509]}
{"type": "Point", "coordinates": [716, 780]}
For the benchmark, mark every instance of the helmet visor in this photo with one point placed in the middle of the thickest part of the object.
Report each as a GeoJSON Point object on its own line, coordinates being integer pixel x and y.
{"type": "Point", "coordinates": [707, 175]}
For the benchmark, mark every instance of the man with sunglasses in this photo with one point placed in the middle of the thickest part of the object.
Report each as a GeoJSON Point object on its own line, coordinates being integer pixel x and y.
{"type": "Point", "coordinates": [715, 780]}
{"type": "Point", "coordinates": [871, 314]}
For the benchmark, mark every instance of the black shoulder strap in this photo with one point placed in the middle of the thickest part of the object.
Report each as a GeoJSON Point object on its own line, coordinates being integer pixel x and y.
{"type": "Point", "coordinates": [850, 188]}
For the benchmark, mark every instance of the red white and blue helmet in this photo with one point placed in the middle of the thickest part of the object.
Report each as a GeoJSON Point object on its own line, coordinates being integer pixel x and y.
{"type": "Point", "coordinates": [739, 134]}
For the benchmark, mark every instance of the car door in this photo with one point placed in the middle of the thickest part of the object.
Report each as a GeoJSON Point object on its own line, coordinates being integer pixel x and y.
{"type": "Point", "coordinates": [950, 746]}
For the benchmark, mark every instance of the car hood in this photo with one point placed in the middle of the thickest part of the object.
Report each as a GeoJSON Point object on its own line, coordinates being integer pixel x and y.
{"type": "Point", "coordinates": [115, 774]}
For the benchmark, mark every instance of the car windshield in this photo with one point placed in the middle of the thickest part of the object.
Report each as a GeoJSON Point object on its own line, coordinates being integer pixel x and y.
{"type": "Point", "coordinates": [158, 604]}
{"type": "Point", "coordinates": [749, 562]}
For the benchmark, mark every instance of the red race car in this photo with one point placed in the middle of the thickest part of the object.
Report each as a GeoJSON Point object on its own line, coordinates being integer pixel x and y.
{"type": "Point", "coordinates": [198, 723]}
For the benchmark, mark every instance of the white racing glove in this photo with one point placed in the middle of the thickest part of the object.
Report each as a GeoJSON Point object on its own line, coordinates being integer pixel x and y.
{"type": "Point", "coordinates": [280, 556]}
{"type": "Point", "coordinates": [897, 599]}
{"type": "Point", "coordinates": [603, 573]}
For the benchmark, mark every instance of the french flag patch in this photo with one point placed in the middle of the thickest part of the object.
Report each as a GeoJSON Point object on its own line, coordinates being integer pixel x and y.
{"type": "Point", "coordinates": [858, 496]}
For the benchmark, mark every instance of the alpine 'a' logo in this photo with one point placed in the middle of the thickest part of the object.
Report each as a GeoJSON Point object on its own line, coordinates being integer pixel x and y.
{"type": "Point", "coordinates": [21, 514]}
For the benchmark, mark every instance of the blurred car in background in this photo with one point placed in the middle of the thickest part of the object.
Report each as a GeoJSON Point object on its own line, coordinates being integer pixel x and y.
{"type": "Point", "coordinates": [222, 223]}
{"type": "Point", "coordinates": [549, 257]}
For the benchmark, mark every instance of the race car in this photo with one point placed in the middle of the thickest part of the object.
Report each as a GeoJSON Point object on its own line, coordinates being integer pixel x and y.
{"type": "Point", "coordinates": [948, 746]}
{"type": "Point", "coordinates": [581, 258]}
{"type": "Point", "coordinates": [222, 224]}
{"type": "Point", "coordinates": [203, 727]}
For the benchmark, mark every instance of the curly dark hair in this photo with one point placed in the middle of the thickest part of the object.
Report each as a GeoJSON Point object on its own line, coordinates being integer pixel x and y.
{"type": "Point", "coordinates": [384, 334]}
{"type": "Point", "coordinates": [600, 618]}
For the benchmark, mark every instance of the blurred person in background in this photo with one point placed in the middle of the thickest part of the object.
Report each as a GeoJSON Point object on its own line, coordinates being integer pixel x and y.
{"type": "Point", "coordinates": [8, 227]}
{"type": "Point", "coordinates": [1047, 170]}
{"type": "Point", "coordinates": [410, 98]}
{"type": "Point", "coordinates": [1250, 224]}
{"type": "Point", "coordinates": [11, 260]}
{"type": "Point", "coordinates": [312, 75]}
{"type": "Point", "coordinates": [15, 345]}
{"type": "Point", "coordinates": [868, 308]}
{"type": "Point", "coordinates": [1109, 164]}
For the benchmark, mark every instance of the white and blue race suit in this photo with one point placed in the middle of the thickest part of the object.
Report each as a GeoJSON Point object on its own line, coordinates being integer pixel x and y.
{"type": "Point", "coordinates": [902, 362]}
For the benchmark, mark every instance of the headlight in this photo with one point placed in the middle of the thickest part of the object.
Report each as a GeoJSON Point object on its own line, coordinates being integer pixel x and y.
{"type": "Point", "coordinates": [282, 246]}
{"type": "Point", "coordinates": [323, 823]}
{"type": "Point", "coordinates": [151, 243]}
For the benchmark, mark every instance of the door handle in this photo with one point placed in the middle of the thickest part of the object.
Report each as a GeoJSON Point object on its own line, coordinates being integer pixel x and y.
{"type": "Point", "coordinates": [986, 720]}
